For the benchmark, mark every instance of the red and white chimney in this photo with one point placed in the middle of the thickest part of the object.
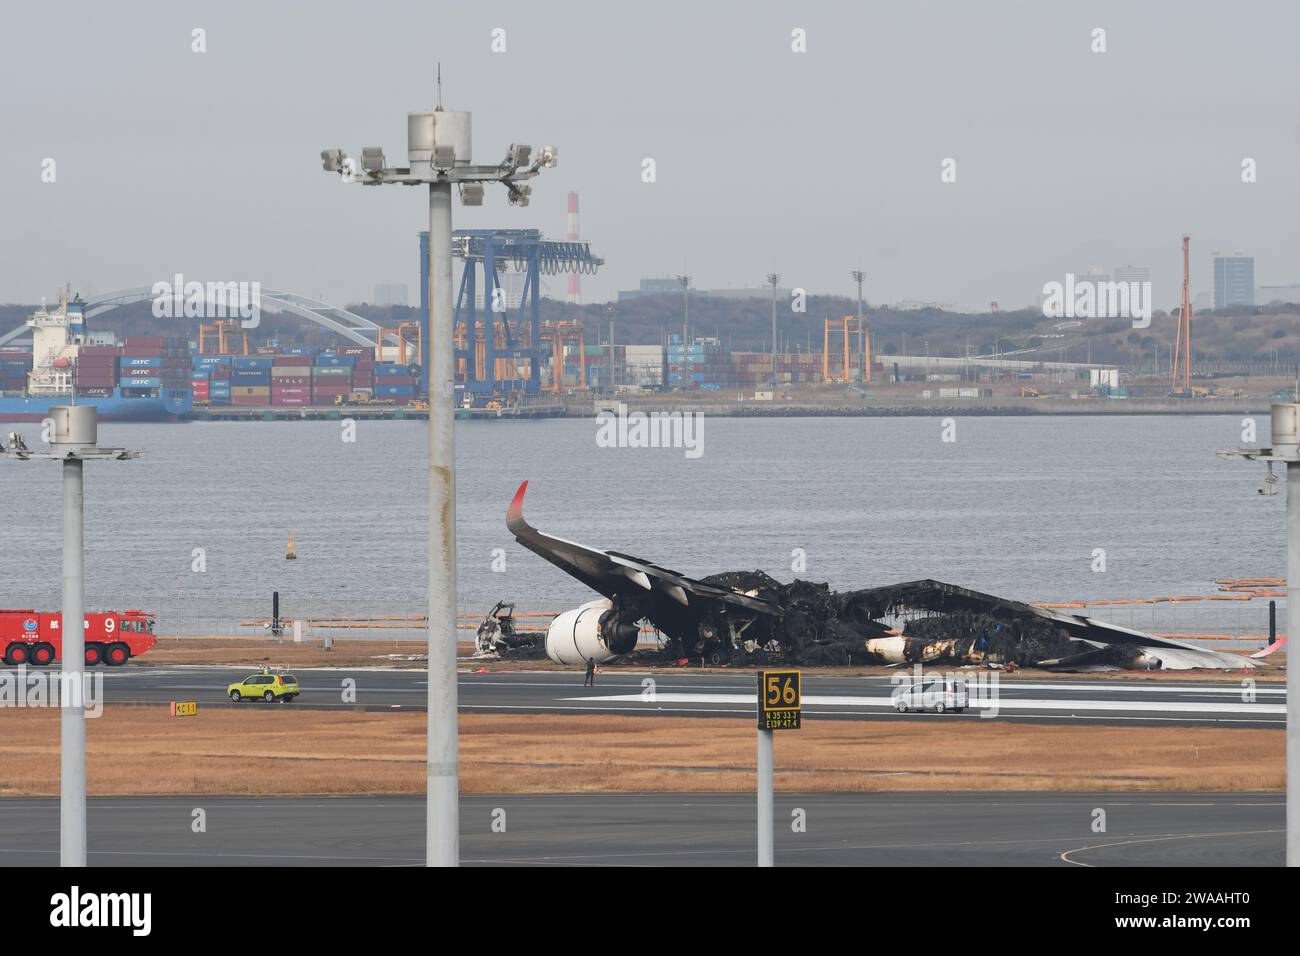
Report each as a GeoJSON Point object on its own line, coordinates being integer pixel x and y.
{"type": "Point", "coordinates": [575, 286]}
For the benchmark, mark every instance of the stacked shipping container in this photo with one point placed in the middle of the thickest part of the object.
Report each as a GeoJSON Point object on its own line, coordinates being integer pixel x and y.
{"type": "Point", "coordinates": [706, 360]}
{"type": "Point", "coordinates": [755, 368]}
{"type": "Point", "coordinates": [96, 371]}
{"type": "Point", "coordinates": [363, 371]}
{"type": "Point", "coordinates": [14, 367]}
{"type": "Point", "coordinates": [291, 380]}
{"type": "Point", "coordinates": [331, 378]}
{"type": "Point", "coordinates": [150, 363]}
{"type": "Point", "coordinates": [301, 377]}
{"type": "Point", "coordinates": [250, 380]}
{"type": "Point", "coordinates": [396, 383]}
{"type": "Point", "coordinates": [211, 379]}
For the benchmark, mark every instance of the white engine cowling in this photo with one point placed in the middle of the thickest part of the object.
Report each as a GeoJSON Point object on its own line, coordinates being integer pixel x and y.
{"type": "Point", "coordinates": [892, 649]}
{"type": "Point", "coordinates": [577, 635]}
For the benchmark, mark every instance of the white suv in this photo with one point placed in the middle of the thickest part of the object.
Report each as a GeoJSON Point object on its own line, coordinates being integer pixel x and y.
{"type": "Point", "coordinates": [932, 693]}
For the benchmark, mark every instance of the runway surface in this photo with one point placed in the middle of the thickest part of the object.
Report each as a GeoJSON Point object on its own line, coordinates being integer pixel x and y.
{"type": "Point", "coordinates": [669, 830]}
{"type": "Point", "coordinates": [1188, 702]}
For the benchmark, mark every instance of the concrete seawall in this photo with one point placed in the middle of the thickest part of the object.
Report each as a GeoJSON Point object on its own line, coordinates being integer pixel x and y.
{"type": "Point", "coordinates": [929, 408]}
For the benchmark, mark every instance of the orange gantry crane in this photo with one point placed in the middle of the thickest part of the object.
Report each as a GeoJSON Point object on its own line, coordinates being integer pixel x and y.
{"type": "Point", "coordinates": [408, 338]}
{"type": "Point", "coordinates": [224, 330]}
{"type": "Point", "coordinates": [561, 334]}
{"type": "Point", "coordinates": [557, 337]}
{"type": "Point", "coordinates": [845, 326]}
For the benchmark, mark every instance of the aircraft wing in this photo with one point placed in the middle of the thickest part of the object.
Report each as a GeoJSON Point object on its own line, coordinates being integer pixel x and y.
{"type": "Point", "coordinates": [1173, 654]}
{"type": "Point", "coordinates": [613, 574]}
{"type": "Point", "coordinates": [1092, 635]}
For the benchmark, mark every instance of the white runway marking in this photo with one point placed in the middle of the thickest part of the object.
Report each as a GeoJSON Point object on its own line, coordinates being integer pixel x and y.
{"type": "Point", "coordinates": [1065, 857]}
{"type": "Point", "coordinates": [1165, 706]}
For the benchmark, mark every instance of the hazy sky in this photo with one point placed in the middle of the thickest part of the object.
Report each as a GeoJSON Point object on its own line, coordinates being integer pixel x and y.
{"type": "Point", "coordinates": [207, 164]}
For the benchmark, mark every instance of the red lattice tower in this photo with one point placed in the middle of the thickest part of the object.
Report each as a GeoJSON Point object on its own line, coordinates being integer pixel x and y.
{"type": "Point", "coordinates": [575, 286]}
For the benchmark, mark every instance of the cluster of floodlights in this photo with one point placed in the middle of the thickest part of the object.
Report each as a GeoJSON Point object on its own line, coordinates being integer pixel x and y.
{"type": "Point", "coordinates": [518, 164]}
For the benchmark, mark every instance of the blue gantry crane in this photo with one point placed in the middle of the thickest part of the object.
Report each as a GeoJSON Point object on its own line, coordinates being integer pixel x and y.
{"type": "Point", "coordinates": [486, 253]}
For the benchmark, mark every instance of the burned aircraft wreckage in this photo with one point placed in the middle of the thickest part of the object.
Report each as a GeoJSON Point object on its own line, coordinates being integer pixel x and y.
{"type": "Point", "coordinates": [748, 617]}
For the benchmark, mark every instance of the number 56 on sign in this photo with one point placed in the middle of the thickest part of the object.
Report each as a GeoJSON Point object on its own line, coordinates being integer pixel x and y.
{"type": "Point", "coordinates": [780, 698]}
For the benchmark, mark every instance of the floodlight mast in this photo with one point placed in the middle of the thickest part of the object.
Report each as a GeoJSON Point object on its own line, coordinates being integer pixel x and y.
{"type": "Point", "coordinates": [73, 433]}
{"type": "Point", "coordinates": [438, 153]}
{"type": "Point", "coordinates": [772, 280]}
{"type": "Point", "coordinates": [859, 277]}
{"type": "Point", "coordinates": [1285, 448]}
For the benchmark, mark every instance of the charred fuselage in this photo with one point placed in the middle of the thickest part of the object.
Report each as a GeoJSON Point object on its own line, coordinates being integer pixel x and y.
{"type": "Point", "coordinates": [741, 617]}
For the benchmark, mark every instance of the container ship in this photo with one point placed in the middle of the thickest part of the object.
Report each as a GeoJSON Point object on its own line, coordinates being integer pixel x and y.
{"type": "Point", "coordinates": [143, 379]}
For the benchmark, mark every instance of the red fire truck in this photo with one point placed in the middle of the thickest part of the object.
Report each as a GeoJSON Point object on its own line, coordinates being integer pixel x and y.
{"type": "Point", "coordinates": [112, 637]}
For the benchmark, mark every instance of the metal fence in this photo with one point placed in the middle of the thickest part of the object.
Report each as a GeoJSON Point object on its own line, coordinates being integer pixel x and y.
{"type": "Point", "coordinates": [344, 613]}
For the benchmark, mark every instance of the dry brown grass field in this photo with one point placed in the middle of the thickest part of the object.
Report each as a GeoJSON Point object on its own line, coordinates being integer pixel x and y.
{"type": "Point", "coordinates": [278, 750]}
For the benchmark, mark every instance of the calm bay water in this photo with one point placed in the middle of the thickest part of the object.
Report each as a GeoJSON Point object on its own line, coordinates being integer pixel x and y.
{"type": "Point", "coordinates": [1014, 506]}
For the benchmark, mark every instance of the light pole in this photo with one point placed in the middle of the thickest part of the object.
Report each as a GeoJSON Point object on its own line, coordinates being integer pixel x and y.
{"type": "Point", "coordinates": [772, 280]}
{"type": "Point", "coordinates": [613, 383]}
{"type": "Point", "coordinates": [766, 797]}
{"type": "Point", "coordinates": [859, 276]}
{"type": "Point", "coordinates": [1286, 448]}
{"type": "Point", "coordinates": [686, 316]}
{"type": "Point", "coordinates": [73, 431]}
{"type": "Point", "coordinates": [438, 149]}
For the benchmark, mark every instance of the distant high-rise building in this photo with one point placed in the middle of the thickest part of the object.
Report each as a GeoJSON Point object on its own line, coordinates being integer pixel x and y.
{"type": "Point", "coordinates": [1131, 273]}
{"type": "Point", "coordinates": [916, 305]}
{"type": "Point", "coordinates": [759, 292]}
{"type": "Point", "coordinates": [1268, 294]}
{"type": "Point", "coordinates": [1234, 280]}
{"type": "Point", "coordinates": [511, 284]}
{"type": "Point", "coordinates": [655, 286]}
{"type": "Point", "coordinates": [391, 293]}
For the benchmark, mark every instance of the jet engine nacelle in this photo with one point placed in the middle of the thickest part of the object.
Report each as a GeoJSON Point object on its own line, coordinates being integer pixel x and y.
{"type": "Point", "coordinates": [891, 650]}
{"type": "Point", "coordinates": [592, 630]}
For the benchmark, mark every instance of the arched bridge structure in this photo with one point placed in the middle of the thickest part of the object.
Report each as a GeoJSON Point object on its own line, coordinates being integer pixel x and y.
{"type": "Point", "coordinates": [355, 328]}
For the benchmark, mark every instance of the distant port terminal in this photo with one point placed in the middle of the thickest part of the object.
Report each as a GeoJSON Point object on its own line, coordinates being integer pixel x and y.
{"type": "Point", "coordinates": [521, 356]}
